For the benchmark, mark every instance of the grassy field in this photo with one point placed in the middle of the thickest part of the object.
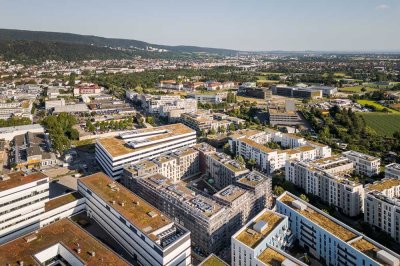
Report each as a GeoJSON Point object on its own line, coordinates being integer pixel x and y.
{"type": "Point", "coordinates": [356, 89]}
{"type": "Point", "coordinates": [376, 105]}
{"type": "Point", "coordinates": [383, 124]}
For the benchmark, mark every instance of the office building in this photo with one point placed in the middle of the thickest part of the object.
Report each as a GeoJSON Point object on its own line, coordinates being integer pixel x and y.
{"type": "Point", "coordinates": [392, 170]}
{"type": "Point", "coordinates": [170, 85]}
{"type": "Point", "coordinates": [364, 164]}
{"type": "Point", "coordinates": [204, 121]}
{"type": "Point", "coordinates": [329, 240]}
{"type": "Point", "coordinates": [295, 92]}
{"type": "Point", "coordinates": [131, 147]}
{"type": "Point", "coordinates": [255, 92]}
{"type": "Point", "coordinates": [214, 98]}
{"type": "Point", "coordinates": [330, 180]}
{"type": "Point", "coordinates": [382, 206]}
{"type": "Point", "coordinates": [61, 243]}
{"type": "Point", "coordinates": [146, 233]}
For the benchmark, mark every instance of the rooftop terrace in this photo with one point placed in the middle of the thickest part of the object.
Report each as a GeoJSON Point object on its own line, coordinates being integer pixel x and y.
{"type": "Point", "coordinates": [252, 179]}
{"type": "Point", "coordinates": [137, 211]}
{"type": "Point", "coordinates": [213, 260]}
{"type": "Point", "coordinates": [368, 249]}
{"type": "Point", "coordinates": [271, 257]}
{"type": "Point", "coordinates": [66, 233]}
{"type": "Point", "coordinates": [383, 184]}
{"type": "Point", "coordinates": [321, 220]}
{"type": "Point", "coordinates": [230, 193]}
{"type": "Point", "coordinates": [252, 238]}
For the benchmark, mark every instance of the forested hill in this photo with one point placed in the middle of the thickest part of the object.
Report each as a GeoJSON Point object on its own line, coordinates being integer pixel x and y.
{"type": "Point", "coordinates": [40, 45]}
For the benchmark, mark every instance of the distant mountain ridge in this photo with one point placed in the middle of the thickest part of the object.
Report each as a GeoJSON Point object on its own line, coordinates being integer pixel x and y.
{"type": "Point", "coordinates": [9, 39]}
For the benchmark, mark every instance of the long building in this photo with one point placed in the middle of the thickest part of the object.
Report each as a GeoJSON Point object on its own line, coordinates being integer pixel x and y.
{"type": "Point", "coordinates": [210, 219]}
{"type": "Point", "coordinates": [146, 233]}
{"type": "Point", "coordinates": [392, 170]}
{"type": "Point", "coordinates": [328, 179]}
{"type": "Point", "coordinates": [329, 240]}
{"type": "Point", "coordinates": [61, 243]}
{"type": "Point", "coordinates": [364, 164]}
{"type": "Point", "coordinates": [382, 206]}
{"type": "Point", "coordinates": [131, 147]}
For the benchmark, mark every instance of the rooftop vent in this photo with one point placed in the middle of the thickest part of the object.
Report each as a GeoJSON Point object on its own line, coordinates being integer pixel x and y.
{"type": "Point", "coordinates": [113, 202]}
{"type": "Point", "coordinates": [136, 202]}
{"type": "Point", "coordinates": [4, 177]}
{"type": "Point", "coordinates": [92, 253]}
{"type": "Point", "coordinates": [260, 226]}
{"type": "Point", "coordinates": [251, 232]}
{"type": "Point", "coordinates": [30, 238]}
{"type": "Point", "coordinates": [299, 205]}
{"type": "Point", "coordinates": [112, 185]}
{"type": "Point", "coordinates": [152, 214]}
{"type": "Point", "coordinates": [387, 257]}
{"type": "Point", "coordinates": [147, 229]}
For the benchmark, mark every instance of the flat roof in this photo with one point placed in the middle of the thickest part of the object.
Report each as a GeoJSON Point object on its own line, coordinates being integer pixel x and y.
{"type": "Point", "coordinates": [385, 183]}
{"type": "Point", "coordinates": [23, 127]}
{"type": "Point", "coordinates": [230, 193]}
{"type": "Point", "coordinates": [251, 237]}
{"type": "Point", "coordinates": [135, 209]}
{"type": "Point", "coordinates": [64, 232]}
{"type": "Point", "coordinates": [213, 260]}
{"type": "Point", "coordinates": [61, 200]}
{"type": "Point", "coordinates": [245, 133]}
{"type": "Point", "coordinates": [320, 219]}
{"type": "Point", "coordinates": [117, 146]}
{"type": "Point", "coordinates": [257, 145]}
{"type": "Point", "coordinates": [252, 179]}
{"type": "Point", "coordinates": [368, 249]}
{"type": "Point", "coordinates": [361, 155]}
{"type": "Point", "coordinates": [271, 257]}
{"type": "Point", "coordinates": [19, 178]}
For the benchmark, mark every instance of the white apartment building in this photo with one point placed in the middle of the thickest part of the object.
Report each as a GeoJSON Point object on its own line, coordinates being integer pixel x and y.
{"type": "Point", "coordinates": [148, 235]}
{"type": "Point", "coordinates": [382, 206]}
{"type": "Point", "coordinates": [25, 205]}
{"type": "Point", "coordinates": [329, 240]}
{"type": "Point", "coordinates": [392, 170]}
{"type": "Point", "coordinates": [131, 147]}
{"type": "Point", "coordinates": [328, 179]}
{"type": "Point", "coordinates": [262, 241]}
{"type": "Point", "coordinates": [210, 98]}
{"type": "Point", "coordinates": [17, 109]}
{"type": "Point", "coordinates": [364, 164]}
{"type": "Point", "coordinates": [170, 85]}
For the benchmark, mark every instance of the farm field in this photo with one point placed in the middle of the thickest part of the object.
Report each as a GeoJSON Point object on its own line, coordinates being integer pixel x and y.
{"type": "Point", "coordinates": [383, 124]}
{"type": "Point", "coordinates": [376, 105]}
{"type": "Point", "coordinates": [356, 89]}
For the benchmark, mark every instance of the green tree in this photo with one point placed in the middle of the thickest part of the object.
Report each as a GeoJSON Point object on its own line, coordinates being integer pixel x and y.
{"type": "Point", "coordinates": [304, 197]}
{"type": "Point", "coordinates": [278, 190]}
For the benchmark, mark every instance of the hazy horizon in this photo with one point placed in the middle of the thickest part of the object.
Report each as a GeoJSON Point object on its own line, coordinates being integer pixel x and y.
{"type": "Point", "coordinates": [254, 25]}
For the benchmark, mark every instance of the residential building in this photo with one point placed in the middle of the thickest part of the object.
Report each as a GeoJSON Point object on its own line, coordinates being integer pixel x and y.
{"type": "Point", "coordinates": [203, 121]}
{"type": "Point", "coordinates": [147, 234]}
{"type": "Point", "coordinates": [16, 109]}
{"type": "Point", "coordinates": [330, 240]}
{"type": "Point", "coordinates": [204, 150]}
{"type": "Point", "coordinates": [330, 180]}
{"type": "Point", "coordinates": [263, 241]}
{"type": "Point", "coordinates": [382, 206]}
{"type": "Point", "coordinates": [87, 89]}
{"type": "Point", "coordinates": [214, 98]}
{"type": "Point", "coordinates": [224, 170]}
{"type": "Point", "coordinates": [392, 170]}
{"type": "Point", "coordinates": [364, 164]}
{"type": "Point", "coordinates": [60, 243]}
{"type": "Point", "coordinates": [213, 260]}
{"type": "Point", "coordinates": [170, 85]}
{"type": "Point", "coordinates": [210, 219]}
{"type": "Point", "coordinates": [133, 146]}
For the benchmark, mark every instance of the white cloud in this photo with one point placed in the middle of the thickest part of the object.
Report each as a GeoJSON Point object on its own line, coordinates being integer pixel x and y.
{"type": "Point", "coordinates": [382, 7]}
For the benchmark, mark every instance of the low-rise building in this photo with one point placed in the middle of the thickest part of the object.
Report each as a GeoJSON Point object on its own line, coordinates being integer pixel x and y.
{"type": "Point", "coordinates": [8, 133]}
{"type": "Point", "coordinates": [170, 85]}
{"type": "Point", "coordinates": [214, 98]}
{"type": "Point", "coordinates": [364, 164]}
{"type": "Point", "coordinates": [146, 233]}
{"type": "Point", "coordinates": [87, 89]}
{"type": "Point", "coordinates": [296, 92]}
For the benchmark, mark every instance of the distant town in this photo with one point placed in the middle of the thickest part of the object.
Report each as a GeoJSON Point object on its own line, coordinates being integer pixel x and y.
{"type": "Point", "coordinates": [247, 159]}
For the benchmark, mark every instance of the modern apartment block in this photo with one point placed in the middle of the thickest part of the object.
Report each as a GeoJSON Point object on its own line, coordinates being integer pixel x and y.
{"type": "Point", "coordinates": [392, 170]}
{"type": "Point", "coordinates": [328, 179]}
{"type": "Point", "coordinates": [25, 205]}
{"type": "Point", "coordinates": [224, 170]}
{"type": "Point", "coordinates": [128, 148]}
{"type": "Point", "coordinates": [149, 236]}
{"type": "Point", "coordinates": [329, 240]}
{"type": "Point", "coordinates": [61, 243]}
{"type": "Point", "coordinates": [382, 206]}
{"type": "Point", "coordinates": [364, 164]}
{"type": "Point", "coordinates": [204, 150]}
{"type": "Point", "coordinates": [181, 164]}
{"type": "Point", "coordinates": [210, 219]}
{"type": "Point", "coordinates": [214, 98]}
{"type": "Point", "coordinates": [263, 241]}
{"type": "Point", "coordinates": [204, 121]}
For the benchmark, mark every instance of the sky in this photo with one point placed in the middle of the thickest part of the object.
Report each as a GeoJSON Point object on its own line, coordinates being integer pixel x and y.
{"type": "Point", "coordinates": [248, 25]}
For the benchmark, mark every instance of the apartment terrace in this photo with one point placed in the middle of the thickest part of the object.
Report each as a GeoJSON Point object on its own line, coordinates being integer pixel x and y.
{"type": "Point", "coordinates": [252, 179]}
{"type": "Point", "coordinates": [230, 193]}
{"type": "Point", "coordinates": [247, 133]}
{"type": "Point", "coordinates": [16, 179]}
{"type": "Point", "coordinates": [213, 260]}
{"type": "Point", "coordinates": [271, 257]}
{"type": "Point", "coordinates": [63, 232]}
{"type": "Point", "coordinates": [319, 219]}
{"type": "Point", "coordinates": [204, 147]}
{"type": "Point", "coordinates": [259, 146]}
{"type": "Point", "coordinates": [361, 156]}
{"type": "Point", "coordinates": [137, 211]}
{"type": "Point", "coordinates": [384, 184]}
{"type": "Point", "coordinates": [62, 200]}
{"type": "Point", "coordinates": [184, 152]}
{"type": "Point", "coordinates": [251, 237]}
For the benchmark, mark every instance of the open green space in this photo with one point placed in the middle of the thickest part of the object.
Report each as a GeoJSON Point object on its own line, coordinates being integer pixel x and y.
{"type": "Point", "coordinates": [378, 106]}
{"type": "Point", "coordinates": [383, 124]}
{"type": "Point", "coordinates": [356, 89]}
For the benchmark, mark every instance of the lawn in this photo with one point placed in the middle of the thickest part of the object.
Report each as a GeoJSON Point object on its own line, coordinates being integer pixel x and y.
{"type": "Point", "coordinates": [383, 124]}
{"type": "Point", "coordinates": [376, 105]}
{"type": "Point", "coordinates": [356, 89]}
